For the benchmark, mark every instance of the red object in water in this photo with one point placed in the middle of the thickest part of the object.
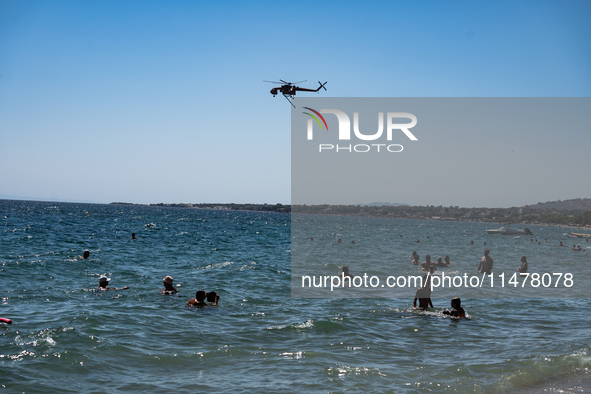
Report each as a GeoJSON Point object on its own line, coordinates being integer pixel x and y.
{"type": "Point", "coordinates": [5, 320]}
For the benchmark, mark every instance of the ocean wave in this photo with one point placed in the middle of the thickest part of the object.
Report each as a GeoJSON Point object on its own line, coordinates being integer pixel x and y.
{"type": "Point", "coordinates": [295, 326]}
{"type": "Point", "coordinates": [218, 265]}
{"type": "Point", "coordinates": [561, 374]}
{"type": "Point", "coordinates": [42, 341]}
{"type": "Point", "coordinates": [342, 370]}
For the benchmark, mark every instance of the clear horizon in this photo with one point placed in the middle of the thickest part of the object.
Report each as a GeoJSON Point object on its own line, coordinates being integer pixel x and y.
{"type": "Point", "coordinates": [5, 197]}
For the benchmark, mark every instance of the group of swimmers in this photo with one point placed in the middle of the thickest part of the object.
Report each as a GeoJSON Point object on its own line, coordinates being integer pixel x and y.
{"type": "Point", "coordinates": [423, 294]}
{"type": "Point", "coordinates": [486, 264]}
{"type": "Point", "coordinates": [199, 300]}
{"type": "Point", "coordinates": [429, 265]}
{"type": "Point", "coordinates": [200, 296]}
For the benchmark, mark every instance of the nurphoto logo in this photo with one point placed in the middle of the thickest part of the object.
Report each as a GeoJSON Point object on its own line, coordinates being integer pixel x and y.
{"type": "Point", "coordinates": [344, 132]}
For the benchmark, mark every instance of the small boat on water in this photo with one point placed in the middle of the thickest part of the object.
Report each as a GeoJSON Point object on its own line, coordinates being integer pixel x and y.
{"type": "Point", "coordinates": [578, 235]}
{"type": "Point", "coordinates": [506, 230]}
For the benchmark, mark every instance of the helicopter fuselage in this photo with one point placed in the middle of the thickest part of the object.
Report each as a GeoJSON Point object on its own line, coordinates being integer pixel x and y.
{"type": "Point", "coordinates": [286, 90]}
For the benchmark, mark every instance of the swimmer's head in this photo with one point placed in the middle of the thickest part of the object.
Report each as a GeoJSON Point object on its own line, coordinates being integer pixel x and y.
{"type": "Point", "coordinates": [523, 258]}
{"type": "Point", "coordinates": [345, 269]}
{"type": "Point", "coordinates": [211, 296]}
{"type": "Point", "coordinates": [103, 279]}
{"type": "Point", "coordinates": [486, 252]}
{"type": "Point", "coordinates": [168, 280]}
{"type": "Point", "coordinates": [456, 302]}
{"type": "Point", "coordinates": [86, 253]}
{"type": "Point", "coordinates": [200, 295]}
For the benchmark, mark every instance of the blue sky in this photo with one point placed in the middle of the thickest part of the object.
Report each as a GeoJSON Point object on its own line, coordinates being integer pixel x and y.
{"type": "Point", "coordinates": [154, 101]}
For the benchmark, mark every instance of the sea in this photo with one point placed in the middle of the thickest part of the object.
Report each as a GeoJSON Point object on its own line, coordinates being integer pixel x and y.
{"type": "Point", "coordinates": [69, 337]}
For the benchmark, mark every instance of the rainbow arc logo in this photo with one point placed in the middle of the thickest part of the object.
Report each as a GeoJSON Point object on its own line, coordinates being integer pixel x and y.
{"type": "Point", "coordinates": [315, 118]}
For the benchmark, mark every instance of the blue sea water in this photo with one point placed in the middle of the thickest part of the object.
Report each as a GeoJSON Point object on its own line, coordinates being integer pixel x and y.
{"type": "Point", "coordinates": [67, 337]}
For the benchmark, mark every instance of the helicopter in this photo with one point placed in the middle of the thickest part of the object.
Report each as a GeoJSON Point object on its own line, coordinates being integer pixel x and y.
{"type": "Point", "coordinates": [289, 89]}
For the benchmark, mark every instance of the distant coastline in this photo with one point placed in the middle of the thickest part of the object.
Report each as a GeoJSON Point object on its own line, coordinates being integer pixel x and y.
{"type": "Point", "coordinates": [571, 213]}
{"type": "Point", "coordinates": [280, 208]}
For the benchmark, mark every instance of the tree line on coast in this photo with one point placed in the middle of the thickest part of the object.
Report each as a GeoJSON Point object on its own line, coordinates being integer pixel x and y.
{"type": "Point", "coordinates": [496, 215]}
{"type": "Point", "coordinates": [526, 214]}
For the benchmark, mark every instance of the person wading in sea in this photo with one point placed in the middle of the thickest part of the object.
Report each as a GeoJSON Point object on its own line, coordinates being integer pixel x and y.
{"type": "Point", "coordinates": [486, 263]}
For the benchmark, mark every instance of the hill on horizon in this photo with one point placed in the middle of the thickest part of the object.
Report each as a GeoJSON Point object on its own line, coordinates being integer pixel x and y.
{"type": "Point", "coordinates": [576, 204]}
{"type": "Point", "coordinates": [381, 204]}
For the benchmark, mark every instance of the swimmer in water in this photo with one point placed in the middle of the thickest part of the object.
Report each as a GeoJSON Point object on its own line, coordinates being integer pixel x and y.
{"type": "Point", "coordinates": [104, 283]}
{"type": "Point", "coordinates": [457, 310]}
{"type": "Point", "coordinates": [199, 300]}
{"type": "Point", "coordinates": [523, 268]}
{"type": "Point", "coordinates": [168, 287]}
{"type": "Point", "coordinates": [447, 261]}
{"type": "Point", "coordinates": [561, 244]}
{"type": "Point", "coordinates": [416, 261]}
{"type": "Point", "coordinates": [133, 236]}
{"type": "Point", "coordinates": [428, 264]}
{"type": "Point", "coordinates": [346, 272]}
{"type": "Point", "coordinates": [86, 254]}
{"type": "Point", "coordinates": [427, 278]}
{"type": "Point", "coordinates": [423, 294]}
{"type": "Point", "coordinates": [440, 262]}
{"type": "Point", "coordinates": [486, 263]}
{"type": "Point", "coordinates": [426, 282]}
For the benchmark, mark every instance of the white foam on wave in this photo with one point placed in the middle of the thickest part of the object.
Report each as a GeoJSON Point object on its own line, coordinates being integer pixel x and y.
{"type": "Point", "coordinates": [218, 265]}
{"type": "Point", "coordinates": [307, 324]}
{"type": "Point", "coordinates": [342, 369]}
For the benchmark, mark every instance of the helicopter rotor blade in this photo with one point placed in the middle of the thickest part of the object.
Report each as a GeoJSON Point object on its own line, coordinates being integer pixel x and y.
{"type": "Point", "coordinates": [295, 83]}
{"type": "Point", "coordinates": [273, 82]}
